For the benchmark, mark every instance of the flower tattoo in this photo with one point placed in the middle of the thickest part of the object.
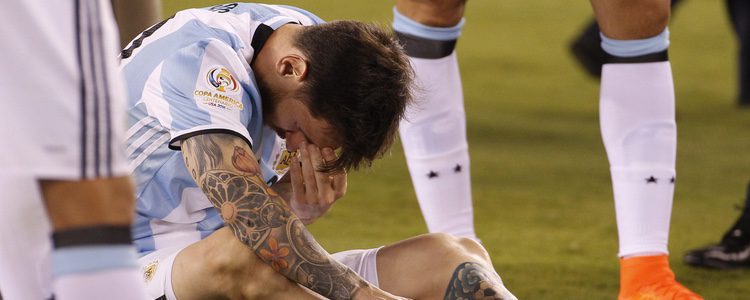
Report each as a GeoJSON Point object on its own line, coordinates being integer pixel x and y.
{"type": "Point", "coordinates": [276, 254]}
{"type": "Point", "coordinates": [243, 162]}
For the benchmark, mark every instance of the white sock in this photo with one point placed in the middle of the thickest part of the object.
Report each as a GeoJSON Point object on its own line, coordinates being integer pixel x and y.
{"type": "Point", "coordinates": [637, 114]}
{"type": "Point", "coordinates": [434, 139]}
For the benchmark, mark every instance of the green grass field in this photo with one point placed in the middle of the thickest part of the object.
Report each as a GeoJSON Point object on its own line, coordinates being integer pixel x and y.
{"type": "Point", "coordinates": [541, 184]}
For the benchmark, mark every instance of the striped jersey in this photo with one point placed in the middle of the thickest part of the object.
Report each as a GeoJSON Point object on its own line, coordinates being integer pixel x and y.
{"type": "Point", "coordinates": [186, 76]}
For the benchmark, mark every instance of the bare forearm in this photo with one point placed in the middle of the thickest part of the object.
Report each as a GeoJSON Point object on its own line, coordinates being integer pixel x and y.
{"type": "Point", "coordinates": [261, 219]}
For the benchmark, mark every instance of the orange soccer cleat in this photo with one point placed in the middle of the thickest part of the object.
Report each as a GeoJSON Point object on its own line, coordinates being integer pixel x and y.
{"type": "Point", "coordinates": [650, 278]}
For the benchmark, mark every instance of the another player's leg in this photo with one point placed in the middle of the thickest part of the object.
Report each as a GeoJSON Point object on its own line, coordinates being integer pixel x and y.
{"type": "Point", "coordinates": [93, 256]}
{"type": "Point", "coordinates": [587, 50]}
{"type": "Point", "coordinates": [739, 11]}
{"type": "Point", "coordinates": [91, 213]}
{"type": "Point", "coordinates": [434, 130]}
{"type": "Point", "coordinates": [447, 267]}
{"type": "Point", "coordinates": [731, 251]}
{"type": "Point", "coordinates": [637, 115]}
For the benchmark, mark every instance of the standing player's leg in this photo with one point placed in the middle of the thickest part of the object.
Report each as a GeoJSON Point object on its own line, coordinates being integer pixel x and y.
{"type": "Point", "coordinates": [739, 11]}
{"type": "Point", "coordinates": [434, 130]}
{"type": "Point", "coordinates": [93, 256]}
{"type": "Point", "coordinates": [587, 50]}
{"type": "Point", "coordinates": [637, 115]}
{"type": "Point", "coordinates": [71, 143]}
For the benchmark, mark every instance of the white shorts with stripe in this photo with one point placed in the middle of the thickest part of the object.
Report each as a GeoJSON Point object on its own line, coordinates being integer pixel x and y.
{"type": "Point", "coordinates": [63, 111]}
{"type": "Point", "coordinates": [156, 268]}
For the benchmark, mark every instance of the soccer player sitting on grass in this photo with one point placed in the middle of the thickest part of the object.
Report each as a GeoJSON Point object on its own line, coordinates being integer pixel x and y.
{"type": "Point", "coordinates": [225, 101]}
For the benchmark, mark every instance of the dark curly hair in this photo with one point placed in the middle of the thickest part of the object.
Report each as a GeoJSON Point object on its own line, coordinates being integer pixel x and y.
{"type": "Point", "coordinates": [359, 80]}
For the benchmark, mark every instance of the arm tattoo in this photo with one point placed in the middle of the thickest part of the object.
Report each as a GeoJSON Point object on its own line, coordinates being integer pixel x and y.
{"type": "Point", "coordinates": [228, 174]}
{"type": "Point", "coordinates": [473, 281]}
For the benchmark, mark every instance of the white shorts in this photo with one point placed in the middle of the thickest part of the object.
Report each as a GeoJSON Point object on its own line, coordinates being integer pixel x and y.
{"type": "Point", "coordinates": [156, 268]}
{"type": "Point", "coordinates": [63, 111]}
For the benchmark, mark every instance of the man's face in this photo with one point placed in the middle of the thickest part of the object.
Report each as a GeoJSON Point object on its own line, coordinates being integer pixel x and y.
{"type": "Point", "coordinates": [292, 120]}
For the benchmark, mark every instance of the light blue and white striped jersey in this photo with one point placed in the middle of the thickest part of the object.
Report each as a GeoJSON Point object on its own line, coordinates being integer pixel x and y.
{"type": "Point", "coordinates": [186, 76]}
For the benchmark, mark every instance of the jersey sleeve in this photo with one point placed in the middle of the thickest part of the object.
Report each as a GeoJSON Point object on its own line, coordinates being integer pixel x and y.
{"type": "Point", "coordinates": [203, 88]}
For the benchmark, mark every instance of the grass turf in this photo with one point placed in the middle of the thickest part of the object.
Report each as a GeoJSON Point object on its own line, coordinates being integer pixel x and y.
{"type": "Point", "coordinates": [542, 194]}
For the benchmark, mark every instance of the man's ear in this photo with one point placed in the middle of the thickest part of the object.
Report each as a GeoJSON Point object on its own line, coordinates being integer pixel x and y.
{"type": "Point", "coordinates": [292, 65]}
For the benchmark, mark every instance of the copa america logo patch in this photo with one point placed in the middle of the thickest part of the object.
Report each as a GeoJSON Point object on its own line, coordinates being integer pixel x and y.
{"type": "Point", "coordinates": [222, 80]}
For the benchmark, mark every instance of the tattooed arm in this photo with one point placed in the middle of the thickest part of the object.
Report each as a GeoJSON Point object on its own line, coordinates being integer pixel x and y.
{"type": "Point", "coordinates": [226, 170]}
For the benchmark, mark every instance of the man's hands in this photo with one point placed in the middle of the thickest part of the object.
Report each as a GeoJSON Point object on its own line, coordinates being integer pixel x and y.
{"type": "Point", "coordinates": [314, 192]}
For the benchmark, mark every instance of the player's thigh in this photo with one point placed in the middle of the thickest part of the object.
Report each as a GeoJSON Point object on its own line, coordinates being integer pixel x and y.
{"type": "Point", "coordinates": [438, 13]}
{"type": "Point", "coordinates": [220, 266]}
{"type": "Point", "coordinates": [431, 258]}
{"type": "Point", "coordinates": [631, 19]}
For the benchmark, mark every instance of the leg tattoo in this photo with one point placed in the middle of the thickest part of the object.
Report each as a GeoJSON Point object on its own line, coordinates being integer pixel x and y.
{"type": "Point", "coordinates": [473, 281]}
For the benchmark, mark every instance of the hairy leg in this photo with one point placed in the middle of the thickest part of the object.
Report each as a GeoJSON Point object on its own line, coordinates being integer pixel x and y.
{"type": "Point", "coordinates": [220, 267]}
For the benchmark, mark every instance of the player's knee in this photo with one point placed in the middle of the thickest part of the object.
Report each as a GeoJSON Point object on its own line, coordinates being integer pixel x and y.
{"type": "Point", "coordinates": [448, 248]}
{"type": "Point", "coordinates": [437, 13]}
{"type": "Point", "coordinates": [474, 248]}
{"type": "Point", "coordinates": [102, 201]}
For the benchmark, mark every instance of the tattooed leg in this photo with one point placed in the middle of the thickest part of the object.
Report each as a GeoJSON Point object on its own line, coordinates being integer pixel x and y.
{"type": "Point", "coordinates": [422, 267]}
{"type": "Point", "coordinates": [474, 281]}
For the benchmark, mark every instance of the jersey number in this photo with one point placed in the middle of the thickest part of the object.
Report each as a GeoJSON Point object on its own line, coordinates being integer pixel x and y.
{"type": "Point", "coordinates": [223, 8]}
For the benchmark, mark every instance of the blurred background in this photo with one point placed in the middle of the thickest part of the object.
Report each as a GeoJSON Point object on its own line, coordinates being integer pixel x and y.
{"type": "Point", "coordinates": [541, 185]}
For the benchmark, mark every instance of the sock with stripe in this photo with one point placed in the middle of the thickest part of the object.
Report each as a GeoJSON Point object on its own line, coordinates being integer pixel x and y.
{"type": "Point", "coordinates": [96, 262]}
{"type": "Point", "coordinates": [639, 132]}
{"type": "Point", "coordinates": [637, 116]}
{"type": "Point", "coordinates": [433, 133]}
